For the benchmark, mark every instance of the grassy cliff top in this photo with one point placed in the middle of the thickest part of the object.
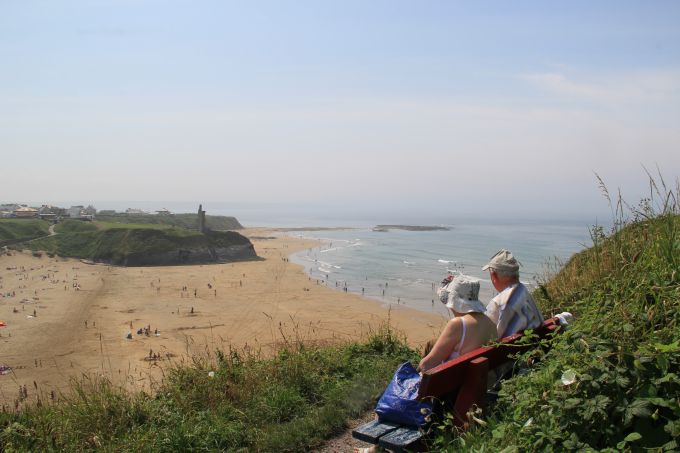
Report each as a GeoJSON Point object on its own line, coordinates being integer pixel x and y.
{"type": "Point", "coordinates": [189, 221]}
{"type": "Point", "coordinates": [13, 230]}
{"type": "Point", "coordinates": [115, 242]}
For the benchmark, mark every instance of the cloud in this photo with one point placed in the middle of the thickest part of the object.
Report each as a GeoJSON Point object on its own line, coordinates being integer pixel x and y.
{"type": "Point", "coordinates": [658, 86]}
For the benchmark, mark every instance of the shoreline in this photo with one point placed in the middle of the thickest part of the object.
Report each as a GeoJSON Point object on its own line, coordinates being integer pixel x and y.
{"type": "Point", "coordinates": [84, 313]}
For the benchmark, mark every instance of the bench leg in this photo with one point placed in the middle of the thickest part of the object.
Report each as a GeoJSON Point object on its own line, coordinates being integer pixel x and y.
{"type": "Point", "coordinates": [472, 391]}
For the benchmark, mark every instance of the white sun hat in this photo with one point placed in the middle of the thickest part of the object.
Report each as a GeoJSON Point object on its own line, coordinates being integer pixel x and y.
{"type": "Point", "coordinates": [464, 295]}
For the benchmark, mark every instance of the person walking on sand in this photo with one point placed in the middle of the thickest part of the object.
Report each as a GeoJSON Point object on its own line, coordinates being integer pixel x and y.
{"type": "Point", "coordinates": [513, 309]}
{"type": "Point", "coordinates": [468, 330]}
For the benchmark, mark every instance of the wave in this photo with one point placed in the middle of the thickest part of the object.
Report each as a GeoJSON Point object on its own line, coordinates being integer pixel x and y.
{"type": "Point", "coordinates": [445, 261]}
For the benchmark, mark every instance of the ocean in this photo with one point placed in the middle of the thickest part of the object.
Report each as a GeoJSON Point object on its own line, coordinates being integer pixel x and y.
{"type": "Point", "coordinates": [401, 267]}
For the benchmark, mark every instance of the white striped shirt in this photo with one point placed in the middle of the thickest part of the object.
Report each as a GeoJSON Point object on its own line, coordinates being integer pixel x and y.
{"type": "Point", "coordinates": [514, 310]}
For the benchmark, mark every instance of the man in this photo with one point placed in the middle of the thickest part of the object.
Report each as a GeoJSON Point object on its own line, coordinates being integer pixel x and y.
{"type": "Point", "coordinates": [513, 309]}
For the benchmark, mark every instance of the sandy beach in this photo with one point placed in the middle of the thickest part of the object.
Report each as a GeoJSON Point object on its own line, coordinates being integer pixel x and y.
{"type": "Point", "coordinates": [66, 319]}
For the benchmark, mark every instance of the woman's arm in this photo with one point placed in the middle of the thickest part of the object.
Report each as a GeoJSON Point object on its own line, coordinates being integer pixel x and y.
{"type": "Point", "coordinates": [445, 345]}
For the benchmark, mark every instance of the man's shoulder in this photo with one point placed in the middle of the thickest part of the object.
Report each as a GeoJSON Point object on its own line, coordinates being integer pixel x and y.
{"type": "Point", "coordinates": [503, 296]}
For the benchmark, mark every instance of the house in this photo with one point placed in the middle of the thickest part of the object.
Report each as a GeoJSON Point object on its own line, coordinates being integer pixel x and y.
{"type": "Point", "coordinates": [74, 212]}
{"type": "Point", "coordinates": [133, 211]}
{"type": "Point", "coordinates": [9, 207]}
{"type": "Point", "coordinates": [49, 209]}
{"type": "Point", "coordinates": [25, 213]}
{"type": "Point", "coordinates": [163, 211]}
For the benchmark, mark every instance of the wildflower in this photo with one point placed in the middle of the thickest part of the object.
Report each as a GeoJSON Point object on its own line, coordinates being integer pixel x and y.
{"type": "Point", "coordinates": [568, 377]}
{"type": "Point", "coordinates": [211, 374]}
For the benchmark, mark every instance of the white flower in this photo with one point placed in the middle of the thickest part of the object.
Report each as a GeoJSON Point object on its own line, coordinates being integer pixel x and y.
{"type": "Point", "coordinates": [568, 377]}
{"type": "Point", "coordinates": [211, 374]}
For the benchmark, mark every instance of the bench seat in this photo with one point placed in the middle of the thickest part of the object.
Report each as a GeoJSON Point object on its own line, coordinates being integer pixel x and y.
{"type": "Point", "coordinates": [461, 382]}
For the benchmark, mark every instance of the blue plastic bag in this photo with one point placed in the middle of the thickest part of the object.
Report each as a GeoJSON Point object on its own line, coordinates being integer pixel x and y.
{"type": "Point", "coordinates": [399, 403]}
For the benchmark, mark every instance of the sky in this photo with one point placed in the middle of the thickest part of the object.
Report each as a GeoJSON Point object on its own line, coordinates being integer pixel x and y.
{"type": "Point", "coordinates": [490, 108]}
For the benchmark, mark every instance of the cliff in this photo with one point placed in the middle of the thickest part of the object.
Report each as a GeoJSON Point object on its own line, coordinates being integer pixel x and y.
{"type": "Point", "coordinates": [149, 246]}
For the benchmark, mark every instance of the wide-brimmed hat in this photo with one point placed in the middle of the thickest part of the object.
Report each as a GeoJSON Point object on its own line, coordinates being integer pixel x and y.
{"type": "Point", "coordinates": [503, 261]}
{"type": "Point", "coordinates": [464, 295]}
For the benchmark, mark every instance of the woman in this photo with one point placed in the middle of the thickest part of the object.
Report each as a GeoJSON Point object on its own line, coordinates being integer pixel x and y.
{"type": "Point", "coordinates": [468, 330]}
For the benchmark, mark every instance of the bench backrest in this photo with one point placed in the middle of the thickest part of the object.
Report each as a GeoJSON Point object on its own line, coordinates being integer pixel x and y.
{"type": "Point", "coordinates": [448, 377]}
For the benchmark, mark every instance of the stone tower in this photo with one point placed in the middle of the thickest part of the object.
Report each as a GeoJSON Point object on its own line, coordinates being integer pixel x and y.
{"type": "Point", "coordinates": [201, 219]}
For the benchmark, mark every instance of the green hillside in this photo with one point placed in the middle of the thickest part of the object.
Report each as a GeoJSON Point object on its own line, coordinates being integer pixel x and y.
{"type": "Point", "coordinates": [139, 244]}
{"type": "Point", "coordinates": [16, 230]}
{"type": "Point", "coordinates": [190, 221]}
{"type": "Point", "coordinates": [612, 380]}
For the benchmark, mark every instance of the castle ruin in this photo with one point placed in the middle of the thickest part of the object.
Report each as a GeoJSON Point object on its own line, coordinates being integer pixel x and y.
{"type": "Point", "coordinates": [201, 219]}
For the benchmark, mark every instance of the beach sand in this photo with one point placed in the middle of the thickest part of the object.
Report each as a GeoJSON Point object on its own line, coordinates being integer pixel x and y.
{"type": "Point", "coordinates": [83, 313]}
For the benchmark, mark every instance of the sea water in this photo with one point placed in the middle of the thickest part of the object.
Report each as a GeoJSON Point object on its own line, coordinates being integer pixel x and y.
{"type": "Point", "coordinates": [405, 268]}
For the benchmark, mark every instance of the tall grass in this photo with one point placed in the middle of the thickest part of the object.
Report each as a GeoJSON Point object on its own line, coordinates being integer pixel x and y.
{"type": "Point", "coordinates": [623, 349]}
{"type": "Point", "coordinates": [227, 400]}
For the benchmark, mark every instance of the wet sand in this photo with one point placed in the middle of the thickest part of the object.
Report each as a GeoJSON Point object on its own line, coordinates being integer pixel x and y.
{"type": "Point", "coordinates": [84, 312]}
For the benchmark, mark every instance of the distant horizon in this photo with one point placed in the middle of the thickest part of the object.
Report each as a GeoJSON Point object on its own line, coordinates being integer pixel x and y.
{"type": "Point", "coordinates": [292, 213]}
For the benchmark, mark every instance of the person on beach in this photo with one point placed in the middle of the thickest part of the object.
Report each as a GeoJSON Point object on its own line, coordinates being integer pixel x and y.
{"type": "Point", "coordinates": [468, 330]}
{"type": "Point", "coordinates": [513, 309]}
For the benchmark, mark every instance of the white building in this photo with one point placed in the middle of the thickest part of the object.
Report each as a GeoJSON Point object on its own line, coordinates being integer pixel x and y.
{"type": "Point", "coordinates": [74, 212]}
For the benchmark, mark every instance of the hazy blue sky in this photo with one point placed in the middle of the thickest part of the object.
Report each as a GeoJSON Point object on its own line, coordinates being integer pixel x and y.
{"type": "Point", "coordinates": [467, 107]}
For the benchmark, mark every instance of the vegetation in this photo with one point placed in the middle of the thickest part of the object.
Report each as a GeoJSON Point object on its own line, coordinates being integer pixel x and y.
{"type": "Point", "coordinates": [129, 244]}
{"type": "Point", "coordinates": [612, 380]}
{"type": "Point", "coordinates": [75, 226]}
{"type": "Point", "coordinates": [230, 400]}
{"type": "Point", "coordinates": [17, 230]}
{"type": "Point", "coordinates": [190, 221]}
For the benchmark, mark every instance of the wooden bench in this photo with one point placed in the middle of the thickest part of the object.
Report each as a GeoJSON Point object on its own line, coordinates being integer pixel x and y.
{"type": "Point", "coordinates": [460, 383]}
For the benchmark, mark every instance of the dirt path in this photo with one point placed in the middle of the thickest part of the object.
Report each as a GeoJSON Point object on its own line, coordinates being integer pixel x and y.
{"type": "Point", "coordinates": [344, 442]}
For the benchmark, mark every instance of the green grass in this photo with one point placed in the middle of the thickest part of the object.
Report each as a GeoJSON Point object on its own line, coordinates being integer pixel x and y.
{"type": "Point", "coordinates": [15, 230]}
{"type": "Point", "coordinates": [118, 243]}
{"type": "Point", "coordinates": [189, 221]}
{"type": "Point", "coordinates": [105, 225]}
{"type": "Point", "coordinates": [623, 348]}
{"type": "Point", "coordinates": [74, 226]}
{"type": "Point", "coordinates": [291, 402]}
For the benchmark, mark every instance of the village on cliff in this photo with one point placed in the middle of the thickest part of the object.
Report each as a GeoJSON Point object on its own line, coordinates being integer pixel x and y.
{"type": "Point", "coordinates": [55, 213]}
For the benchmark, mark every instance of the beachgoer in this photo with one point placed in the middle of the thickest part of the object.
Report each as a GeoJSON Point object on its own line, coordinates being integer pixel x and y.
{"type": "Point", "coordinates": [468, 330]}
{"type": "Point", "coordinates": [513, 309]}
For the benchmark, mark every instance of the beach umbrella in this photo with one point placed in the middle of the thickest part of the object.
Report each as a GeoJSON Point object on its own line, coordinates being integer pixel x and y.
{"type": "Point", "coordinates": [2, 324]}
